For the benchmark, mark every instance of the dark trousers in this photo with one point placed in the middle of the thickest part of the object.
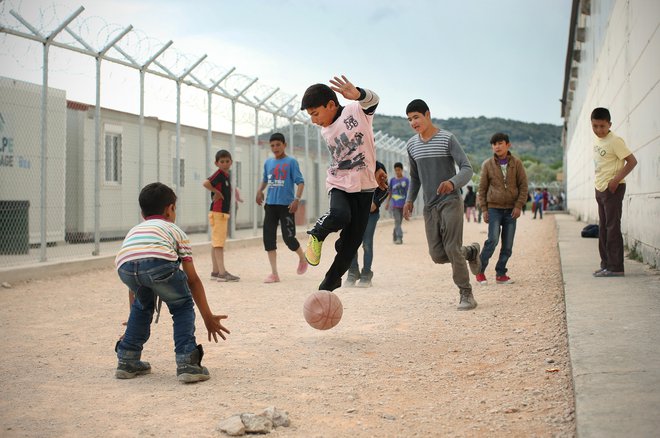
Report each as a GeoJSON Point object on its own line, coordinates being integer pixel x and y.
{"type": "Point", "coordinates": [610, 240]}
{"type": "Point", "coordinates": [279, 214]}
{"type": "Point", "coordinates": [349, 212]}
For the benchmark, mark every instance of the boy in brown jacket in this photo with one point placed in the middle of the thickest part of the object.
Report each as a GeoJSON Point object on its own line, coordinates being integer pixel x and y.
{"type": "Point", "coordinates": [502, 193]}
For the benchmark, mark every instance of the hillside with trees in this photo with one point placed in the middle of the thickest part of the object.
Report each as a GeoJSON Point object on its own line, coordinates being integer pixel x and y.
{"type": "Point", "coordinates": [537, 144]}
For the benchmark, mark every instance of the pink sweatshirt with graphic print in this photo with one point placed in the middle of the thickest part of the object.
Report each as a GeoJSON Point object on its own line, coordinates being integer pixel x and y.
{"type": "Point", "coordinates": [350, 140]}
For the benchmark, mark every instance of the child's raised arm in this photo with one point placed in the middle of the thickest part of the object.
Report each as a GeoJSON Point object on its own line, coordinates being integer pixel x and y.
{"type": "Point", "coordinates": [211, 321]}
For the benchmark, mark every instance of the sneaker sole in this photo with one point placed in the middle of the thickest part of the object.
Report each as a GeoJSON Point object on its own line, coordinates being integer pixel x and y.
{"type": "Point", "coordinates": [505, 282]}
{"type": "Point", "coordinates": [475, 265]}
{"type": "Point", "coordinates": [609, 274]}
{"type": "Point", "coordinates": [192, 378]}
{"type": "Point", "coordinates": [466, 307]}
{"type": "Point", "coordinates": [312, 263]}
{"type": "Point", "coordinates": [121, 374]}
{"type": "Point", "coordinates": [224, 280]}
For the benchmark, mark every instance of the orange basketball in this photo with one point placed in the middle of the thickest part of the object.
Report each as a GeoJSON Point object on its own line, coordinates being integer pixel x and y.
{"type": "Point", "coordinates": [323, 310]}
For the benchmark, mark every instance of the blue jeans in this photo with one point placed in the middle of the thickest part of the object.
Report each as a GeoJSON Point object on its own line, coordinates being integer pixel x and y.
{"type": "Point", "coordinates": [398, 218]}
{"type": "Point", "coordinates": [499, 218]}
{"type": "Point", "coordinates": [148, 278]}
{"type": "Point", "coordinates": [367, 244]}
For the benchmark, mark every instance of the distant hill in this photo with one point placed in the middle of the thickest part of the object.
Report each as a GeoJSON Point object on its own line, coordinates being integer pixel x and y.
{"type": "Point", "coordinates": [540, 142]}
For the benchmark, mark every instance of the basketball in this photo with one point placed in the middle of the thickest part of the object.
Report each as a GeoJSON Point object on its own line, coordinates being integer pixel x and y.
{"type": "Point", "coordinates": [323, 310]}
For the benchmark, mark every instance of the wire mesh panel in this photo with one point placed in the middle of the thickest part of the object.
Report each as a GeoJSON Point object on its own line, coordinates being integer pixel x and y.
{"type": "Point", "coordinates": [90, 112]}
{"type": "Point", "coordinates": [23, 194]}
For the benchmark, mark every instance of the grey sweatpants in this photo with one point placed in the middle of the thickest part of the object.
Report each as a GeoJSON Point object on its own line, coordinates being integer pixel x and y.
{"type": "Point", "coordinates": [444, 233]}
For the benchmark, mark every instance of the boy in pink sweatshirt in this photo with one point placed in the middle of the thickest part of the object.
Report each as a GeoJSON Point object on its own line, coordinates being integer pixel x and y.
{"type": "Point", "coordinates": [351, 178]}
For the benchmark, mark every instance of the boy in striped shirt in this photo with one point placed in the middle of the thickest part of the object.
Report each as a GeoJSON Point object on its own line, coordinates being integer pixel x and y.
{"type": "Point", "coordinates": [149, 263]}
{"type": "Point", "coordinates": [434, 155]}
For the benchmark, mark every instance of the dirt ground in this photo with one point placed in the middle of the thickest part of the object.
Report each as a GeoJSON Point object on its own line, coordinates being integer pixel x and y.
{"type": "Point", "coordinates": [403, 361]}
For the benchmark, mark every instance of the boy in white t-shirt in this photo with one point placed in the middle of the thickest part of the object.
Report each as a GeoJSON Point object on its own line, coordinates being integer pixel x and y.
{"type": "Point", "coordinates": [352, 176]}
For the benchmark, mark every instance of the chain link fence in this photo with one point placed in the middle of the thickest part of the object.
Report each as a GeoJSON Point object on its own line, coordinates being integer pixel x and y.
{"type": "Point", "coordinates": [91, 112]}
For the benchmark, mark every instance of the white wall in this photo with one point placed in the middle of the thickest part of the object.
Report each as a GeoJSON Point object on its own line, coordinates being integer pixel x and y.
{"type": "Point", "coordinates": [119, 207]}
{"type": "Point", "coordinates": [20, 174]}
{"type": "Point", "coordinates": [620, 70]}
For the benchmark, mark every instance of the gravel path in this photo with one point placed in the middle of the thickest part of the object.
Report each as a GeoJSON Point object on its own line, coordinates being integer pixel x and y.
{"type": "Point", "coordinates": [402, 362]}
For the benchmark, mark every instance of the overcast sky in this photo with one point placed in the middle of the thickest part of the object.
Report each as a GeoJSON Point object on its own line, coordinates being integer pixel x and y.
{"type": "Point", "coordinates": [466, 58]}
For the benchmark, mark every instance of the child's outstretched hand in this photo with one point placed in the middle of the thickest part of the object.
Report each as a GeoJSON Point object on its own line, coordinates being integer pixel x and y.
{"type": "Point", "coordinates": [215, 327]}
{"type": "Point", "coordinates": [344, 87]}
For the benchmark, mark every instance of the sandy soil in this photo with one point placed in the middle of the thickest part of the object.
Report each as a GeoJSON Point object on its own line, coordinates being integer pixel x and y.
{"type": "Point", "coordinates": [402, 362]}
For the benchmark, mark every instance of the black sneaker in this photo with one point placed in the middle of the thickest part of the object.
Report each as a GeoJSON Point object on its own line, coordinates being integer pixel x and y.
{"type": "Point", "coordinates": [129, 364]}
{"type": "Point", "coordinates": [365, 279]}
{"type": "Point", "coordinates": [352, 278]}
{"type": "Point", "coordinates": [128, 369]}
{"type": "Point", "coordinates": [189, 367]}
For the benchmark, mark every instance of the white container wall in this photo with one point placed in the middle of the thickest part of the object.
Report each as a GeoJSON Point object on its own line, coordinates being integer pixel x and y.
{"type": "Point", "coordinates": [617, 67]}
{"type": "Point", "coordinates": [20, 154]}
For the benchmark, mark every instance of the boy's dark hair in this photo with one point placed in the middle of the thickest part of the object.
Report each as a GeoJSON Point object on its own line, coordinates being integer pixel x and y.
{"type": "Point", "coordinates": [417, 106]}
{"type": "Point", "coordinates": [154, 199]}
{"type": "Point", "coordinates": [499, 137]}
{"type": "Point", "coordinates": [318, 95]}
{"type": "Point", "coordinates": [601, 114]}
{"type": "Point", "coordinates": [397, 164]}
{"type": "Point", "coordinates": [222, 153]}
{"type": "Point", "coordinates": [277, 137]}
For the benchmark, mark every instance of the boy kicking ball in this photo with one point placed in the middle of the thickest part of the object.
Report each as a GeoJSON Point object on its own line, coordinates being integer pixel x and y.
{"type": "Point", "coordinates": [352, 177]}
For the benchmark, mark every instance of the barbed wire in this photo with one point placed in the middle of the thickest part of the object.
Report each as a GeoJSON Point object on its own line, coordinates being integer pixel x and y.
{"type": "Point", "coordinates": [137, 48]}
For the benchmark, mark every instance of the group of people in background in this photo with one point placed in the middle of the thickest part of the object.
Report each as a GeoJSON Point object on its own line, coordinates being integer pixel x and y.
{"type": "Point", "coordinates": [540, 199]}
{"type": "Point", "coordinates": [155, 260]}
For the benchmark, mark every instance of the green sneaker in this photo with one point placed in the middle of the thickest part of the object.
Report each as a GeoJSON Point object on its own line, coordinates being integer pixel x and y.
{"type": "Point", "coordinates": [313, 251]}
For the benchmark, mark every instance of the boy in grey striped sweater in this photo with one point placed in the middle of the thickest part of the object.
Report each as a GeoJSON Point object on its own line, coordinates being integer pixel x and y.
{"type": "Point", "coordinates": [434, 155]}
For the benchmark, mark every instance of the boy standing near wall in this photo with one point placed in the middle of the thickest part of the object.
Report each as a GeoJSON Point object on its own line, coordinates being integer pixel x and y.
{"type": "Point", "coordinates": [220, 187]}
{"type": "Point", "coordinates": [502, 194]}
{"type": "Point", "coordinates": [613, 162]}
{"type": "Point", "coordinates": [434, 155]}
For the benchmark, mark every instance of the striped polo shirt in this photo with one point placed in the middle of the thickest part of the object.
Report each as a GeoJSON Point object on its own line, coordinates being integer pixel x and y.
{"type": "Point", "coordinates": [157, 238]}
{"type": "Point", "coordinates": [435, 161]}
